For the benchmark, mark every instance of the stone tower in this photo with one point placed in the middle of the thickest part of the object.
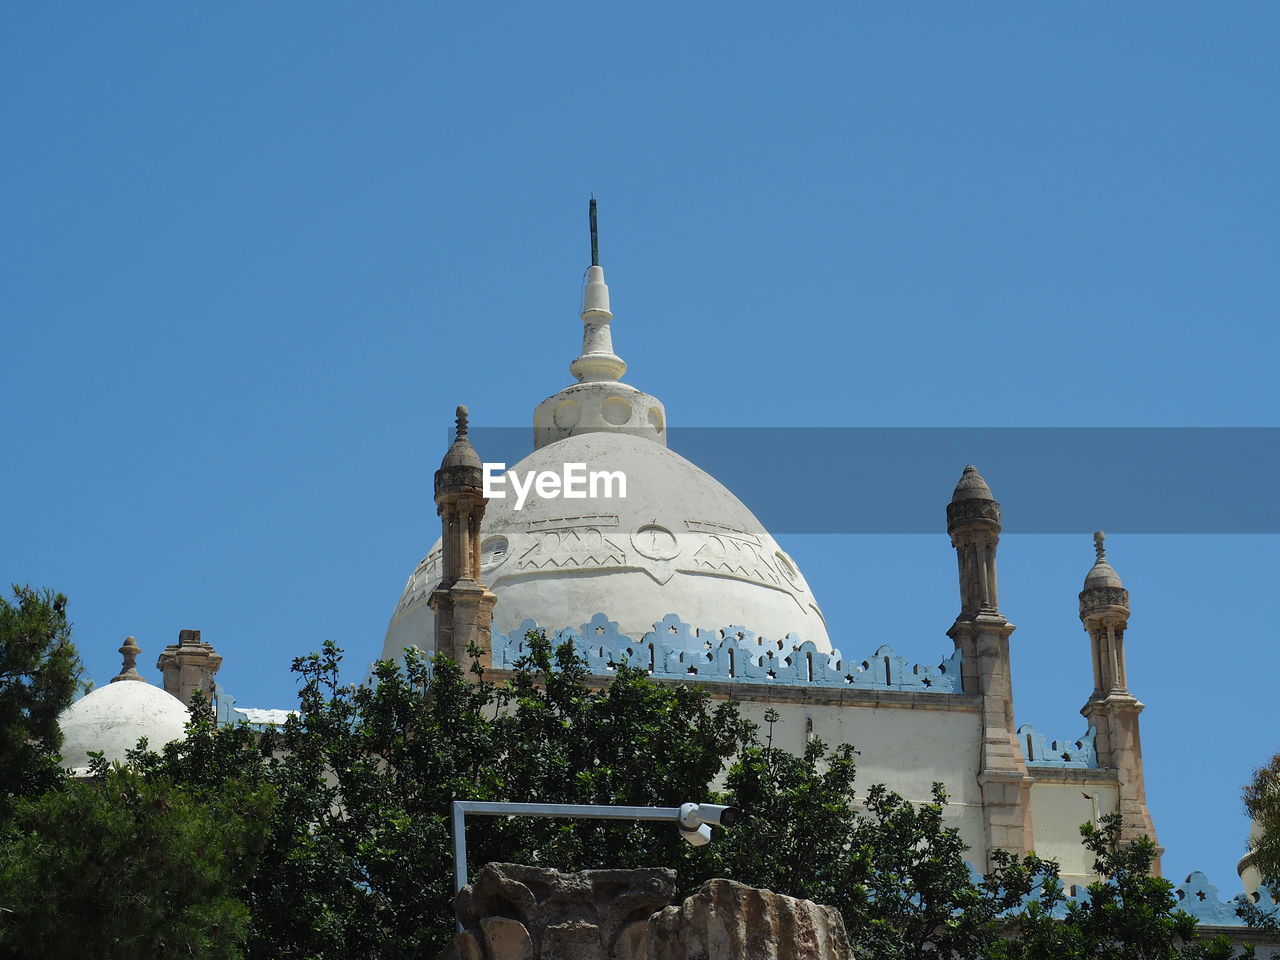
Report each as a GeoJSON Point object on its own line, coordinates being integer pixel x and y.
{"type": "Point", "coordinates": [1112, 710]}
{"type": "Point", "coordinates": [188, 666]}
{"type": "Point", "coordinates": [981, 633]}
{"type": "Point", "coordinates": [463, 606]}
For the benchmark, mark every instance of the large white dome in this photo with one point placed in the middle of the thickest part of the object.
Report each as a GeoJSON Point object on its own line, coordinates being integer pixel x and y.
{"type": "Point", "coordinates": [113, 717]}
{"type": "Point", "coordinates": [679, 542]}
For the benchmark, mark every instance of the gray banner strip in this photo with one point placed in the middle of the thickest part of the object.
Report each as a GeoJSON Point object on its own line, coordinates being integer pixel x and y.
{"type": "Point", "coordinates": [1047, 479]}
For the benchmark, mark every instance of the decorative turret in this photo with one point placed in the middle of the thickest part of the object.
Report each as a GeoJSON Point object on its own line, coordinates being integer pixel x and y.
{"type": "Point", "coordinates": [981, 634]}
{"type": "Point", "coordinates": [463, 606]}
{"type": "Point", "coordinates": [188, 666]}
{"type": "Point", "coordinates": [1104, 611]}
{"type": "Point", "coordinates": [599, 401]}
{"type": "Point", "coordinates": [1111, 709]}
{"type": "Point", "coordinates": [973, 520]}
{"type": "Point", "coordinates": [1102, 585]}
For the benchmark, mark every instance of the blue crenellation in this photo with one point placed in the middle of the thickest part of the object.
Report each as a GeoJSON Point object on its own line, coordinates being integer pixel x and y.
{"type": "Point", "coordinates": [674, 648]}
{"type": "Point", "coordinates": [1040, 751]}
{"type": "Point", "coordinates": [1196, 896]}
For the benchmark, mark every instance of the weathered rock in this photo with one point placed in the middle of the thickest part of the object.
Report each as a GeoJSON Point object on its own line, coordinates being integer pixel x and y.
{"type": "Point", "coordinates": [513, 912]}
{"type": "Point", "coordinates": [506, 938]}
{"type": "Point", "coordinates": [729, 921]}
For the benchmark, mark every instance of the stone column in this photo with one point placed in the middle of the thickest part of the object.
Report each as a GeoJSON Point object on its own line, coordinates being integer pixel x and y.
{"type": "Point", "coordinates": [1111, 709]}
{"type": "Point", "coordinates": [188, 666]}
{"type": "Point", "coordinates": [981, 633]}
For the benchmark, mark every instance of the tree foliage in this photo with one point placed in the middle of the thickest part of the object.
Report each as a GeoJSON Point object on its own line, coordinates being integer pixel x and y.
{"type": "Point", "coordinates": [358, 856]}
{"type": "Point", "coordinates": [1127, 914]}
{"type": "Point", "coordinates": [125, 866]}
{"type": "Point", "coordinates": [39, 671]}
{"type": "Point", "coordinates": [1262, 803]}
{"type": "Point", "coordinates": [331, 834]}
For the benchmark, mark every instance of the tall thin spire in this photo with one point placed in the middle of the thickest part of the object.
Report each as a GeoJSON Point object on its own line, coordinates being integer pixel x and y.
{"type": "Point", "coordinates": [597, 361]}
{"type": "Point", "coordinates": [595, 233]}
{"type": "Point", "coordinates": [598, 401]}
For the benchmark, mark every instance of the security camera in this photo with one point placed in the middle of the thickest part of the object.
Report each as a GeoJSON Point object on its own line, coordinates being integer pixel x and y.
{"type": "Point", "coordinates": [698, 838]}
{"type": "Point", "coordinates": [718, 815]}
{"type": "Point", "coordinates": [694, 814]}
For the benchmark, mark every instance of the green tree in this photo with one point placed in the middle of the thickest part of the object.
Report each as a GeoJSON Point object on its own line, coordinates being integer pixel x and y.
{"type": "Point", "coordinates": [909, 890]}
{"type": "Point", "coordinates": [794, 830]}
{"type": "Point", "coordinates": [39, 672]}
{"type": "Point", "coordinates": [125, 866]}
{"type": "Point", "coordinates": [1262, 803]}
{"type": "Point", "coordinates": [357, 860]}
{"type": "Point", "coordinates": [357, 857]}
{"type": "Point", "coordinates": [1128, 914]}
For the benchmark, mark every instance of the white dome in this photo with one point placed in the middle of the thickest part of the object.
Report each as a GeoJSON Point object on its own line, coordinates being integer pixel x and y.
{"type": "Point", "coordinates": [113, 717]}
{"type": "Point", "coordinates": [679, 542]}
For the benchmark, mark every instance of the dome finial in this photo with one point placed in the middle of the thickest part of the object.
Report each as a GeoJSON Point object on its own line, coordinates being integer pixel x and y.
{"type": "Point", "coordinates": [460, 452]}
{"type": "Point", "coordinates": [129, 667]}
{"type": "Point", "coordinates": [1101, 574]}
{"type": "Point", "coordinates": [971, 486]}
{"type": "Point", "coordinates": [598, 361]}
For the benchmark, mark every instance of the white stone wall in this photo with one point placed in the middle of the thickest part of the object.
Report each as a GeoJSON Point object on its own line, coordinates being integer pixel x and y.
{"type": "Point", "coordinates": [906, 747]}
{"type": "Point", "coordinates": [1059, 808]}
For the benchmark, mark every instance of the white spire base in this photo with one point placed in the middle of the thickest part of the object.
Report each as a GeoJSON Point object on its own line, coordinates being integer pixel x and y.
{"type": "Point", "coordinates": [598, 361]}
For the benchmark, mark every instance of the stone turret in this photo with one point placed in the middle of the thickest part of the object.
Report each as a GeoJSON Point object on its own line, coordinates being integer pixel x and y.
{"type": "Point", "coordinates": [463, 606]}
{"type": "Point", "coordinates": [188, 666]}
{"type": "Point", "coordinates": [981, 633]}
{"type": "Point", "coordinates": [973, 521]}
{"type": "Point", "coordinates": [1111, 709]}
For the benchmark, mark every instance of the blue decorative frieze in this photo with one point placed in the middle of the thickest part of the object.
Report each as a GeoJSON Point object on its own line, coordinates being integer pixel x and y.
{"type": "Point", "coordinates": [1196, 895]}
{"type": "Point", "coordinates": [1040, 751]}
{"type": "Point", "coordinates": [1200, 898]}
{"type": "Point", "coordinates": [734, 653]}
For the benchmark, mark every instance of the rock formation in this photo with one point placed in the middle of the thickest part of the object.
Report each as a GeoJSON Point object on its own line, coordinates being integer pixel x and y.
{"type": "Point", "coordinates": [730, 921]}
{"type": "Point", "coordinates": [513, 912]}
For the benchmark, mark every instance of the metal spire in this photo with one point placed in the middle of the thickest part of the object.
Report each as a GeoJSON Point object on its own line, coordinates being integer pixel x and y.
{"type": "Point", "coordinates": [595, 238]}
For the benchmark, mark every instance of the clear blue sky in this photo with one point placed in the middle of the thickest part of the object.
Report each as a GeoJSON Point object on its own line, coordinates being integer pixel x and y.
{"type": "Point", "coordinates": [252, 256]}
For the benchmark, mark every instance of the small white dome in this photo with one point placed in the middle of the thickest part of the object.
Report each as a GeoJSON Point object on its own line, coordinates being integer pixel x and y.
{"type": "Point", "coordinates": [113, 717]}
{"type": "Point", "coordinates": [679, 542]}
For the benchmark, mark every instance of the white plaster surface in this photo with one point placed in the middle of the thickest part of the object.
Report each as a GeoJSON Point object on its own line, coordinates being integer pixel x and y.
{"type": "Point", "coordinates": [1057, 811]}
{"type": "Point", "coordinates": [679, 542]}
{"type": "Point", "coordinates": [112, 718]}
{"type": "Point", "coordinates": [267, 716]}
{"type": "Point", "coordinates": [905, 749]}
{"type": "Point", "coordinates": [1250, 876]}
